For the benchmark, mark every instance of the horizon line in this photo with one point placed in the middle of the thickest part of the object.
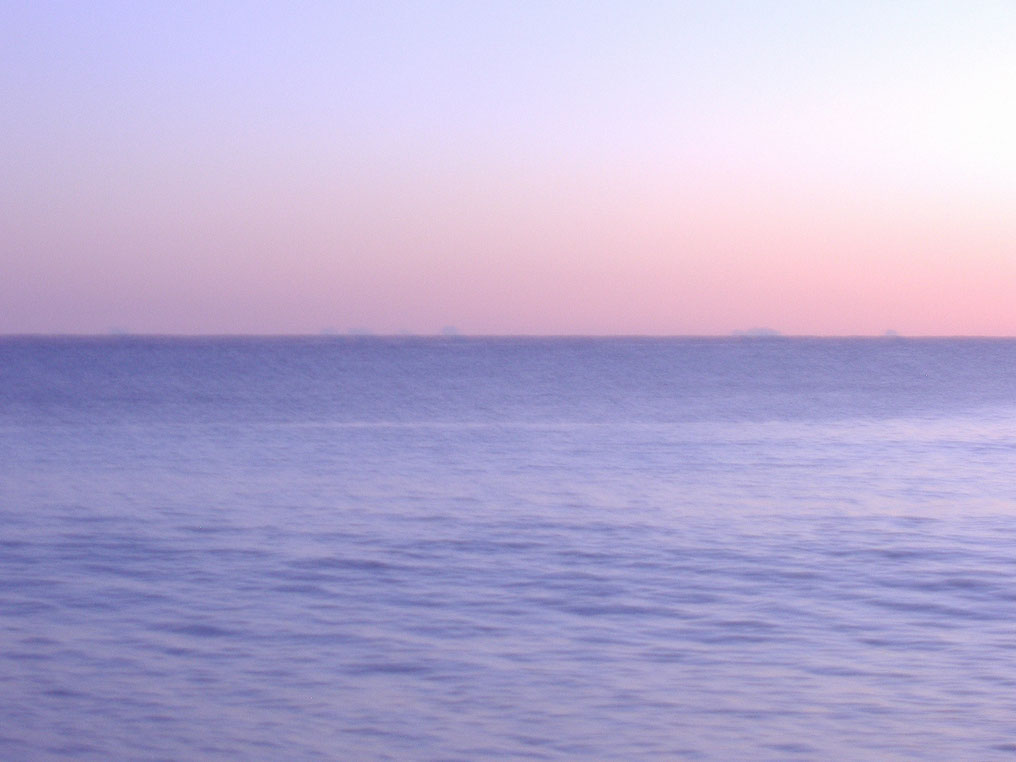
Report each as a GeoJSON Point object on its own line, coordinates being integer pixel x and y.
{"type": "Point", "coordinates": [740, 335]}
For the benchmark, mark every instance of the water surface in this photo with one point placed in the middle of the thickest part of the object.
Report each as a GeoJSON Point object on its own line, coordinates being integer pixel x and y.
{"type": "Point", "coordinates": [510, 548]}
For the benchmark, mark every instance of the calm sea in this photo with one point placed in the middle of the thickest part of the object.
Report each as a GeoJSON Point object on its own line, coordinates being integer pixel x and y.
{"type": "Point", "coordinates": [458, 549]}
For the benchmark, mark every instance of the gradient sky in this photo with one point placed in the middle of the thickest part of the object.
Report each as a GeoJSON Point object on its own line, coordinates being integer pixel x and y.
{"type": "Point", "coordinates": [518, 167]}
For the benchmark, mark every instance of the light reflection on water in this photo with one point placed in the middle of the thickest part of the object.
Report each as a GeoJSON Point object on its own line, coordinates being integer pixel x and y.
{"type": "Point", "coordinates": [197, 564]}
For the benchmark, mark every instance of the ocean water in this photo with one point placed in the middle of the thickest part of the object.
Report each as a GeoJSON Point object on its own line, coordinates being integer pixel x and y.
{"type": "Point", "coordinates": [458, 549]}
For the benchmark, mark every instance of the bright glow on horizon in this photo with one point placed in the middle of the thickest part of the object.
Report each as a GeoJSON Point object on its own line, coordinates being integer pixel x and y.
{"type": "Point", "coordinates": [540, 168]}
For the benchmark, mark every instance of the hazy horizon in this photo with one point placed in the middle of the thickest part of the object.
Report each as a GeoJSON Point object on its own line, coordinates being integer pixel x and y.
{"type": "Point", "coordinates": [737, 334]}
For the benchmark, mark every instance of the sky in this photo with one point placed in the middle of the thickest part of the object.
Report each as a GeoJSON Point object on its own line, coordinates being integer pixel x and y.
{"type": "Point", "coordinates": [596, 168]}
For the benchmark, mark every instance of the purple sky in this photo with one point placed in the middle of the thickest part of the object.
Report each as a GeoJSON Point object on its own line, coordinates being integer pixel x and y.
{"type": "Point", "coordinates": [523, 167]}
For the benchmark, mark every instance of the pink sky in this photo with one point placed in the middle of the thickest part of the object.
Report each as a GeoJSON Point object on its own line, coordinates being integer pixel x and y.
{"type": "Point", "coordinates": [522, 168]}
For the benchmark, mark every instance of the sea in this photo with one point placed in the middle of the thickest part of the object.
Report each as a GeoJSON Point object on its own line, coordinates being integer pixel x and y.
{"type": "Point", "coordinates": [457, 548]}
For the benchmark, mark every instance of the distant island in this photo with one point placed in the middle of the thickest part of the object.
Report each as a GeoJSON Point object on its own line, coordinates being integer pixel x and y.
{"type": "Point", "coordinates": [757, 332]}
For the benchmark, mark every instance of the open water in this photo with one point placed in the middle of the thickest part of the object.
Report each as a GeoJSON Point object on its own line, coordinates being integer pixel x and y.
{"type": "Point", "coordinates": [457, 549]}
